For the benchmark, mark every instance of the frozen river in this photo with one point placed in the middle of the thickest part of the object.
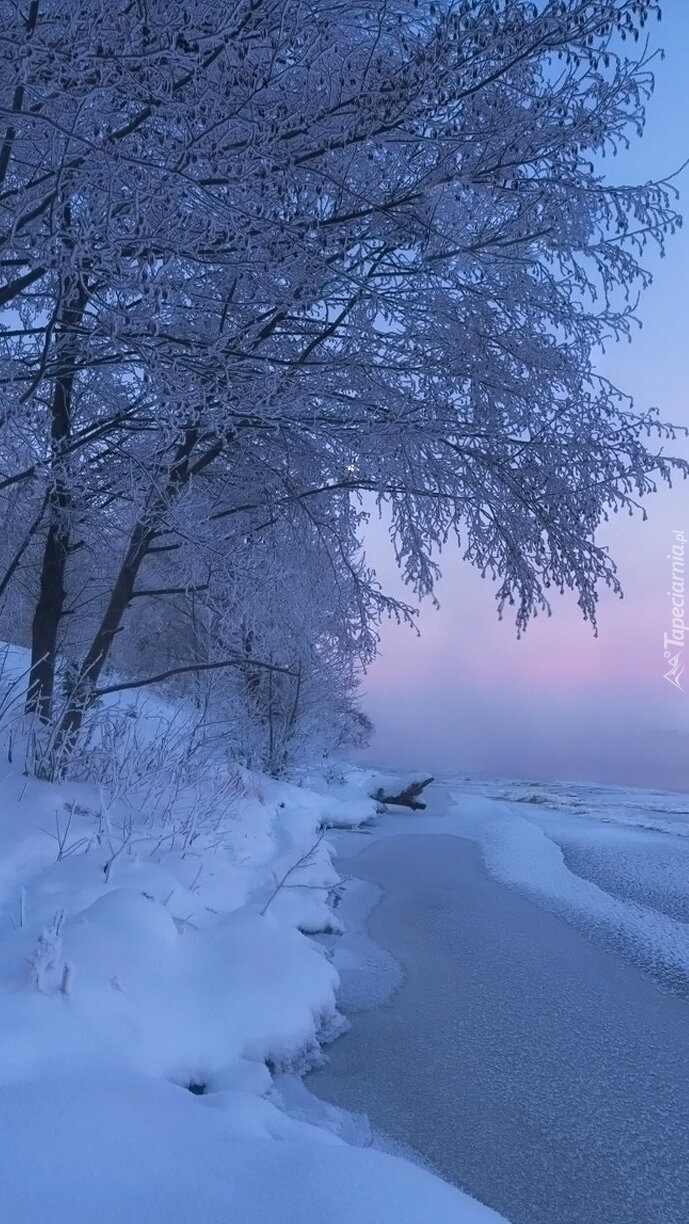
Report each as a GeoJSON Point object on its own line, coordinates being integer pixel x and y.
{"type": "Point", "coordinates": [536, 1051]}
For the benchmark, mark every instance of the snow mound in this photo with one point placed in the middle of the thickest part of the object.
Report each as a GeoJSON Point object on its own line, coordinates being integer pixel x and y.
{"type": "Point", "coordinates": [122, 1147]}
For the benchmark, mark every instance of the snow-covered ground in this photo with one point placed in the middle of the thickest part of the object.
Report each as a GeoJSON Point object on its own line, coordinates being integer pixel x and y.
{"type": "Point", "coordinates": [160, 989]}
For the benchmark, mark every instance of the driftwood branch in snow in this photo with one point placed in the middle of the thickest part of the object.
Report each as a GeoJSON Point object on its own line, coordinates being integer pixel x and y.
{"type": "Point", "coordinates": [408, 797]}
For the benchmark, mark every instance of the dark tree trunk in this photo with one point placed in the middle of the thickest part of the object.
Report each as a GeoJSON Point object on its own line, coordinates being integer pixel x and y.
{"type": "Point", "coordinates": [143, 534]}
{"type": "Point", "coordinates": [47, 616]}
{"type": "Point", "coordinates": [51, 591]}
{"type": "Point", "coordinates": [96, 656]}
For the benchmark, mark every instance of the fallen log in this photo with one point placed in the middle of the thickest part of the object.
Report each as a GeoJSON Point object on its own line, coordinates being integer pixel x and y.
{"type": "Point", "coordinates": [408, 797]}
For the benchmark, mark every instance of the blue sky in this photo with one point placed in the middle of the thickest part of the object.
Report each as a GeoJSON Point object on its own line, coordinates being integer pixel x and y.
{"type": "Point", "coordinates": [467, 695]}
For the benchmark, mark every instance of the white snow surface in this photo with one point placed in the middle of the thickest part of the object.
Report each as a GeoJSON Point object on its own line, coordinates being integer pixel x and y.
{"type": "Point", "coordinates": [117, 1146]}
{"type": "Point", "coordinates": [158, 993]}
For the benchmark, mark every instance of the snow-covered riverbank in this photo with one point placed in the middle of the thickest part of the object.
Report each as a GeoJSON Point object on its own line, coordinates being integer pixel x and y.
{"type": "Point", "coordinates": [156, 972]}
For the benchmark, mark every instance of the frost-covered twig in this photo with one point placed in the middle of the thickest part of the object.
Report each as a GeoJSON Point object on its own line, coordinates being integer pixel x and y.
{"type": "Point", "coordinates": [49, 970]}
{"type": "Point", "coordinates": [304, 861]}
{"type": "Point", "coordinates": [61, 835]}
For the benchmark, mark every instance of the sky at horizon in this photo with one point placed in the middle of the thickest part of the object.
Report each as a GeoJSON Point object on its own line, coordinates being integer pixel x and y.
{"type": "Point", "coordinates": [466, 695]}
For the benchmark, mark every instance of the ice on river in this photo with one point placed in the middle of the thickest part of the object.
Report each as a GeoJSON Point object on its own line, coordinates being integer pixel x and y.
{"type": "Point", "coordinates": [533, 1043]}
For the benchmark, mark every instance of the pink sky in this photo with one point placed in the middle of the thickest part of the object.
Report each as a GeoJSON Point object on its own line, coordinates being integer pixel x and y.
{"type": "Point", "coordinates": [467, 695]}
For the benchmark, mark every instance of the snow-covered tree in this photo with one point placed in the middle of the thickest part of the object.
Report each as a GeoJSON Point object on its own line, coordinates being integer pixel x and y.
{"type": "Point", "coordinates": [261, 257]}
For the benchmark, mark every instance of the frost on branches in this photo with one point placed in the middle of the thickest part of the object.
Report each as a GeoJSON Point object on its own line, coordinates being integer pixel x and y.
{"type": "Point", "coordinates": [261, 260]}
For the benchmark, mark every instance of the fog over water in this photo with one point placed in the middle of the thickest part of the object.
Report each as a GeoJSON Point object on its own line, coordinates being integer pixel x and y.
{"type": "Point", "coordinates": [467, 695]}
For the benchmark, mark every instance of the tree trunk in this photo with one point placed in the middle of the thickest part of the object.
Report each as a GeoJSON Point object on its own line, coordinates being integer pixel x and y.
{"type": "Point", "coordinates": [143, 534]}
{"type": "Point", "coordinates": [408, 797]}
{"type": "Point", "coordinates": [51, 591]}
{"type": "Point", "coordinates": [95, 658]}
